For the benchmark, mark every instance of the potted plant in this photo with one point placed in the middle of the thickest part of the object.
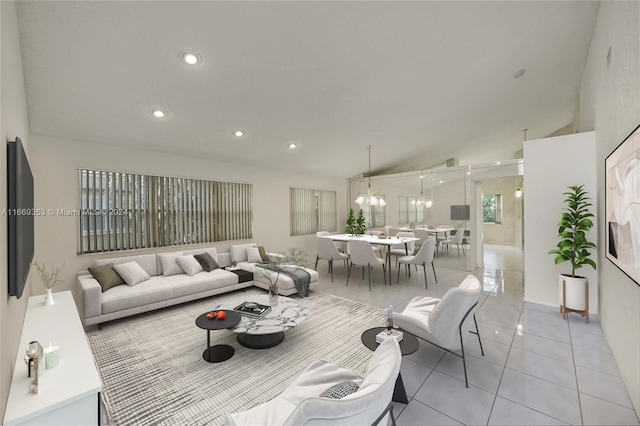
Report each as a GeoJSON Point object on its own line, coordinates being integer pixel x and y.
{"type": "Point", "coordinates": [574, 247]}
{"type": "Point", "coordinates": [355, 226]}
{"type": "Point", "coordinates": [50, 278]}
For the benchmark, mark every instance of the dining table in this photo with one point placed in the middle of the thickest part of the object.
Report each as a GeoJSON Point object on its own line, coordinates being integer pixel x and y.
{"type": "Point", "coordinates": [376, 240]}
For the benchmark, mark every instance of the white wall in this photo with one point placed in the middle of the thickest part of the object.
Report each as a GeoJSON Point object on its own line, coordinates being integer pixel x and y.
{"type": "Point", "coordinates": [13, 122]}
{"type": "Point", "coordinates": [55, 163]}
{"type": "Point", "coordinates": [552, 164]}
{"type": "Point", "coordinates": [610, 104]}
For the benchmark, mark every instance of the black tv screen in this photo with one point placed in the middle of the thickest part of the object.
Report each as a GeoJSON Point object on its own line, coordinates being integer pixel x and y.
{"type": "Point", "coordinates": [462, 212]}
{"type": "Point", "coordinates": [20, 217]}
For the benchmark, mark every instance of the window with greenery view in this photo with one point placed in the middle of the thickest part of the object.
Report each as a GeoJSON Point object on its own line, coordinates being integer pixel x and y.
{"type": "Point", "coordinates": [125, 211]}
{"type": "Point", "coordinates": [492, 208]}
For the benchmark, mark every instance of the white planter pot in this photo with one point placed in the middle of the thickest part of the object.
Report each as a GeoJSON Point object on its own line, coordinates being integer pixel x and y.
{"type": "Point", "coordinates": [577, 290]}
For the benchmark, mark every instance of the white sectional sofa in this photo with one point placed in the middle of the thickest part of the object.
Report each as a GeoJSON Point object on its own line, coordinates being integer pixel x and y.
{"type": "Point", "coordinates": [160, 290]}
{"type": "Point", "coordinates": [286, 286]}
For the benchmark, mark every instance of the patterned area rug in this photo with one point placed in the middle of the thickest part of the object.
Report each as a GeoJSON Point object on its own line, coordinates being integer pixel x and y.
{"type": "Point", "coordinates": [153, 373]}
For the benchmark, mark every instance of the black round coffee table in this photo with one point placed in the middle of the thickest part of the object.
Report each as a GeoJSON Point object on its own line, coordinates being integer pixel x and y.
{"type": "Point", "coordinates": [217, 353]}
{"type": "Point", "coordinates": [408, 345]}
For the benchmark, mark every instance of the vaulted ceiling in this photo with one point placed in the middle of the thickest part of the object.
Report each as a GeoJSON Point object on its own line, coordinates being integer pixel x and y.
{"type": "Point", "coordinates": [420, 81]}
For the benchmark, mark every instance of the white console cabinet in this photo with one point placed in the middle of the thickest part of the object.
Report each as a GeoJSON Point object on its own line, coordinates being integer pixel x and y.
{"type": "Point", "coordinates": [69, 393]}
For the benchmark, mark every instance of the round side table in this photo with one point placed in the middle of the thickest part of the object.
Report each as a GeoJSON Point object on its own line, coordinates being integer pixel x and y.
{"type": "Point", "coordinates": [217, 353]}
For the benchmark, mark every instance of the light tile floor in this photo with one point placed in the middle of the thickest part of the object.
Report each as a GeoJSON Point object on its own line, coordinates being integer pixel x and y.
{"type": "Point", "coordinates": [537, 368]}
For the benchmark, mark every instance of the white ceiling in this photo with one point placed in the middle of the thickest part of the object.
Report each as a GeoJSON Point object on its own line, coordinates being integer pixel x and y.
{"type": "Point", "coordinates": [420, 81]}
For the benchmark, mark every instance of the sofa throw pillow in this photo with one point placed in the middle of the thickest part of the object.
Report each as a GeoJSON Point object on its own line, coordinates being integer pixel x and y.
{"type": "Point", "coordinates": [263, 254]}
{"type": "Point", "coordinates": [170, 264]}
{"type": "Point", "coordinates": [189, 264]}
{"type": "Point", "coordinates": [106, 276]}
{"type": "Point", "coordinates": [207, 261]}
{"type": "Point", "coordinates": [253, 255]}
{"type": "Point", "coordinates": [131, 273]}
{"type": "Point", "coordinates": [340, 390]}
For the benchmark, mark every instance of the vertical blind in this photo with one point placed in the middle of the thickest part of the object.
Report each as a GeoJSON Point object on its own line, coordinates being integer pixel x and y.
{"type": "Point", "coordinates": [124, 211]}
{"type": "Point", "coordinates": [312, 210]}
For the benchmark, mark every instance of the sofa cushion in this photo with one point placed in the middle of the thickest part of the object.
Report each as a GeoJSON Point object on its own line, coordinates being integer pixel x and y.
{"type": "Point", "coordinates": [189, 264]}
{"type": "Point", "coordinates": [207, 262]}
{"type": "Point", "coordinates": [146, 261]}
{"type": "Point", "coordinates": [263, 254]}
{"type": "Point", "coordinates": [182, 285]}
{"type": "Point", "coordinates": [106, 276]}
{"type": "Point", "coordinates": [131, 273]}
{"type": "Point", "coordinates": [212, 251]}
{"type": "Point", "coordinates": [239, 252]}
{"type": "Point", "coordinates": [253, 255]}
{"type": "Point", "coordinates": [169, 264]}
{"type": "Point", "coordinates": [124, 297]}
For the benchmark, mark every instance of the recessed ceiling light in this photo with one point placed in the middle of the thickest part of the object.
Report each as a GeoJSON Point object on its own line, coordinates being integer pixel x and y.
{"type": "Point", "coordinates": [159, 113]}
{"type": "Point", "coordinates": [497, 162]}
{"type": "Point", "coordinates": [191, 58]}
{"type": "Point", "coordinates": [518, 74]}
{"type": "Point", "coordinates": [292, 145]}
{"type": "Point", "coordinates": [441, 181]}
{"type": "Point", "coordinates": [239, 133]}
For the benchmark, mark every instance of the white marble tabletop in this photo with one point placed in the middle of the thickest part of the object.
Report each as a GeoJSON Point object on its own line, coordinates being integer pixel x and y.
{"type": "Point", "coordinates": [286, 314]}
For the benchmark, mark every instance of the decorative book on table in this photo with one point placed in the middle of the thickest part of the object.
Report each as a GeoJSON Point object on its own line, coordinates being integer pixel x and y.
{"type": "Point", "coordinates": [252, 309]}
{"type": "Point", "coordinates": [385, 334]}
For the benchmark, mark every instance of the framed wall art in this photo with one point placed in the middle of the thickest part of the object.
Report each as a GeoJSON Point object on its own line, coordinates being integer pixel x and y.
{"type": "Point", "coordinates": [622, 206]}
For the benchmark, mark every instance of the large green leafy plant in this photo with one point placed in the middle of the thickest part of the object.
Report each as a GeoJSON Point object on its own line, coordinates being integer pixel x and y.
{"type": "Point", "coordinates": [576, 220]}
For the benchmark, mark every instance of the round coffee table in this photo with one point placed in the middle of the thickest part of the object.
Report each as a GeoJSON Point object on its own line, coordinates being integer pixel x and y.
{"type": "Point", "coordinates": [268, 331]}
{"type": "Point", "coordinates": [408, 345]}
{"type": "Point", "coordinates": [217, 353]}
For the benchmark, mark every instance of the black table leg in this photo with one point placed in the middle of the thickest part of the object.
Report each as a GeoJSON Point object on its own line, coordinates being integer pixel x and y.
{"type": "Point", "coordinates": [399, 394]}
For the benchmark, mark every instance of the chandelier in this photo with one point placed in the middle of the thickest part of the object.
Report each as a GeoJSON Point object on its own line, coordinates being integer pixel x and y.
{"type": "Point", "coordinates": [370, 199]}
{"type": "Point", "coordinates": [421, 201]}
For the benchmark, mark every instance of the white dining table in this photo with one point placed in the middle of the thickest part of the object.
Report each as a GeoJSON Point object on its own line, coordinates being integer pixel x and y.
{"type": "Point", "coordinates": [374, 239]}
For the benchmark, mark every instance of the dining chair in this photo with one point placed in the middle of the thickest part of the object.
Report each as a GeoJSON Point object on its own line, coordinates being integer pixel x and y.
{"type": "Point", "coordinates": [441, 321]}
{"type": "Point", "coordinates": [421, 233]}
{"type": "Point", "coordinates": [455, 239]}
{"type": "Point", "coordinates": [340, 246]}
{"type": "Point", "coordinates": [322, 233]}
{"type": "Point", "coordinates": [423, 257]}
{"type": "Point", "coordinates": [328, 251]}
{"type": "Point", "coordinates": [361, 254]}
{"type": "Point", "coordinates": [402, 249]}
{"type": "Point", "coordinates": [376, 249]}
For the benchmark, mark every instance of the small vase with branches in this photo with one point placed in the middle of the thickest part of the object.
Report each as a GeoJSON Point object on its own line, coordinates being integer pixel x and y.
{"type": "Point", "coordinates": [271, 269]}
{"type": "Point", "coordinates": [50, 278]}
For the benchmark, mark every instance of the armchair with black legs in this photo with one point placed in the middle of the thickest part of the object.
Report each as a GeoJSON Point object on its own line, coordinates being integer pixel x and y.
{"type": "Point", "coordinates": [444, 322]}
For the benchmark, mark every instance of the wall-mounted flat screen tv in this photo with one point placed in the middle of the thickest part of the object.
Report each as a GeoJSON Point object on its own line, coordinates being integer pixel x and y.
{"type": "Point", "coordinates": [462, 212]}
{"type": "Point", "coordinates": [20, 217]}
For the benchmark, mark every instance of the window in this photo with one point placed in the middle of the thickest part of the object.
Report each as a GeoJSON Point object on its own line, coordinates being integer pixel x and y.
{"type": "Point", "coordinates": [492, 208]}
{"type": "Point", "coordinates": [124, 211]}
{"type": "Point", "coordinates": [409, 211]}
{"type": "Point", "coordinates": [312, 210]}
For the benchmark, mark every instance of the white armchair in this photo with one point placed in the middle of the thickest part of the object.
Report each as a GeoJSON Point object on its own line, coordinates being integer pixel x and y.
{"type": "Point", "coordinates": [442, 321]}
{"type": "Point", "coordinates": [301, 403]}
{"type": "Point", "coordinates": [328, 251]}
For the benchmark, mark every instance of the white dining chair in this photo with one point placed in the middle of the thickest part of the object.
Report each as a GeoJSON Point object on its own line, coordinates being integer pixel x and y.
{"type": "Point", "coordinates": [376, 249]}
{"type": "Point", "coordinates": [328, 251]}
{"type": "Point", "coordinates": [423, 257]}
{"type": "Point", "coordinates": [403, 249]}
{"type": "Point", "coordinates": [361, 254]}
{"type": "Point", "coordinates": [444, 322]}
{"type": "Point", "coordinates": [421, 233]}
{"type": "Point", "coordinates": [455, 239]}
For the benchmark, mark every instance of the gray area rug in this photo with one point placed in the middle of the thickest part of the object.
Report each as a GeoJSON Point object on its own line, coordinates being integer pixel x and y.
{"type": "Point", "coordinates": [152, 369]}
